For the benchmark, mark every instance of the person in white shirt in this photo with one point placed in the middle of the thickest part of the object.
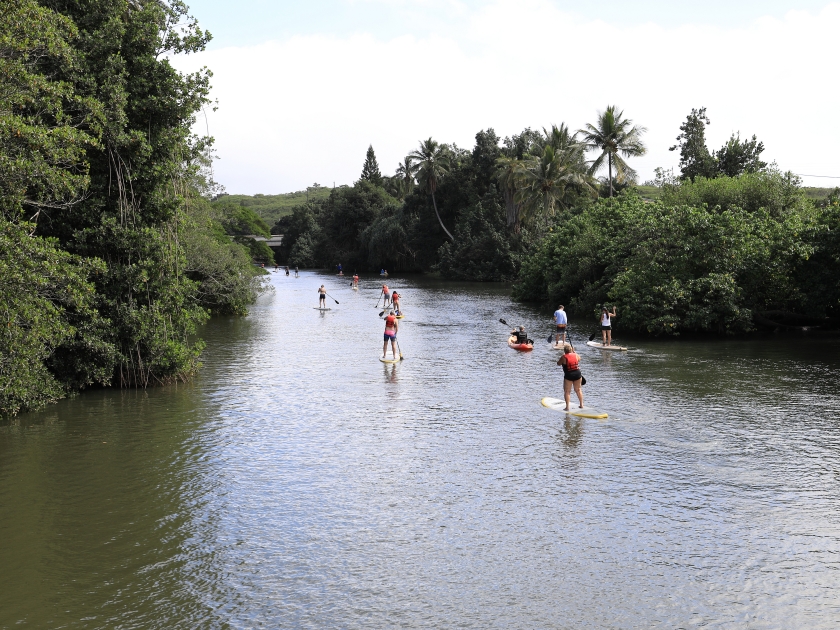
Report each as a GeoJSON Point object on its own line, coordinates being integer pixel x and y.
{"type": "Point", "coordinates": [560, 321]}
{"type": "Point", "coordinates": [606, 325]}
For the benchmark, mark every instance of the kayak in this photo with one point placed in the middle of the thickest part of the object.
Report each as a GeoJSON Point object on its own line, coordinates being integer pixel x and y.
{"type": "Point", "coordinates": [522, 347]}
{"type": "Point", "coordinates": [559, 404]}
{"type": "Point", "coordinates": [600, 346]}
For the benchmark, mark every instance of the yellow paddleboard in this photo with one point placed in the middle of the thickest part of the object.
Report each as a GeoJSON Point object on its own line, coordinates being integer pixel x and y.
{"type": "Point", "coordinates": [558, 404]}
{"type": "Point", "coordinates": [384, 360]}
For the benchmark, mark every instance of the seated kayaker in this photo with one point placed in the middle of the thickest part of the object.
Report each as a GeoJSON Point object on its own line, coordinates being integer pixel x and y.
{"type": "Point", "coordinates": [520, 335]}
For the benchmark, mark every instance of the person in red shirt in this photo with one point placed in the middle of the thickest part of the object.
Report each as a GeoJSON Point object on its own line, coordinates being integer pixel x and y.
{"type": "Point", "coordinates": [395, 301]}
{"type": "Point", "coordinates": [356, 280]}
{"type": "Point", "coordinates": [571, 374]}
{"type": "Point", "coordinates": [392, 325]}
{"type": "Point", "coordinates": [387, 295]}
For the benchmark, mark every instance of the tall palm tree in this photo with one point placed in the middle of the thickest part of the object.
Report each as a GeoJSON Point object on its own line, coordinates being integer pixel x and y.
{"type": "Point", "coordinates": [559, 138]}
{"type": "Point", "coordinates": [405, 175]}
{"type": "Point", "coordinates": [432, 162]}
{"type": "Point", "coordinates": [509, 172]}
{"type": "Point", "coordinates": [615, 136]}
{"type": "Point", "coordinates": [545, 181]}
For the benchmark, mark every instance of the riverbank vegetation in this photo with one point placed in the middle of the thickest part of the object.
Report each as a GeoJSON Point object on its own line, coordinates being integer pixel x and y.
{"type": "Point", "coordinates": [110, 250]}
{"type": "Point", "coordinates": [729, 245]}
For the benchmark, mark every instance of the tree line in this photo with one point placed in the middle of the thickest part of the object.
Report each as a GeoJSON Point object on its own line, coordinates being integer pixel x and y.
{"type": "Point", "coordinates": [733, 244]}
{"type": "Point", "coordinates": [111, 254]}
{"type": "Point", "coordinates": [468, 214]}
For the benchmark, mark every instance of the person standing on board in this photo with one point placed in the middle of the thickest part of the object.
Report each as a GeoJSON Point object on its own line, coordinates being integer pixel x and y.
{"type": "Point", "coordinates": [322, 297]}
{"type": "Point", "coordinates": [570, 361]}
{"type": "Point", "coordinates": [340, 270]}
{"type": "Point", "coordinates": [606, 325]}
{"type": "Point", "coordinates": [296, 272]}
{"type": "Point", "coordinates": [395, 301]}
{"type": "Point", "coordinates": [356, 280]}
{"type": "Point", "coordinates": [560, 321]}
{"type": "Point", "coordinates": [387, 295]}
{"type": "Point", "coordinates": [392, 325]}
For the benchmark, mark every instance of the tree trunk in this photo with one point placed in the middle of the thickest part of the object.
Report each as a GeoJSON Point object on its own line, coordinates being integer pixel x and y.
{"type": "Point", "coordinates": [609, 156]}
{"type": "Point", "coordinates": [434, 203]}
{"type": "Point", "coordinates": [512, 211]}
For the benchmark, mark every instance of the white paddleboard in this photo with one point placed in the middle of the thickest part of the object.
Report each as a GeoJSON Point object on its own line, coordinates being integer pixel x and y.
{"type": "Point", "coordinates": [384, 360]}
{"type": "Point", "coordinates": [318, 308]}
{"type": "Point", "coordinates": [558, 404]}
{"type": "Point", "coordinates": [600, 346]}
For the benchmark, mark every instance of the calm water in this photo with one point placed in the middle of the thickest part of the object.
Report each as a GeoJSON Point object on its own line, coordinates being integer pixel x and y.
{"type": "Point", "coordinates": [301, 483]}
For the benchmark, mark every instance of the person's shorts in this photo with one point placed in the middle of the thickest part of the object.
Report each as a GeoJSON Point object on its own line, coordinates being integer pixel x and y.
{"type": "Point", "coordinates": [392, 336]}
{"type": "Point", "coordinates": [561, 327]}
{"type": "Point", "coordinates": [387, 296]}
{"type": "Point", "coordinates": [573, 376]}
{"type": "Point", "coordinates": [606, 327]}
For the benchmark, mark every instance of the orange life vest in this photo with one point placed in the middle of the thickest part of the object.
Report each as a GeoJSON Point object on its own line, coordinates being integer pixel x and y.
{"type": "Point", "coordinates": [572, 362]}
{"type": "Point", "coordinates": [390, 321]}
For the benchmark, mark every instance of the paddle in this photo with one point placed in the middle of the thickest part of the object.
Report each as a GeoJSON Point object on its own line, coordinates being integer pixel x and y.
{"type": "Point", "coordinates": [332, 298]}
{"type": "Point", "coordinates": [399, 349]}
{"type": "Point", "coordinates": [381, 291]}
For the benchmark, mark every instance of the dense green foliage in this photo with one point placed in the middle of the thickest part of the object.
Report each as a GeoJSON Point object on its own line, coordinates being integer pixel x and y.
{"type": "Point", "coordinates": [732, 159]}
{"type": "Point", "coordinates": [720, 255]}
{"type": "Point", "coordinates": [467, 214]}
{"type": "Point", "coordinates": [110, 255]}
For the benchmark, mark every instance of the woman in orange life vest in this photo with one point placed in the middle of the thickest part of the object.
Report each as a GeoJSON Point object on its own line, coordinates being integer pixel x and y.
{"type": "Point", "coordinates": [392, 325]}
{"type": "Point", "coordinates": [355, 280]}
{"type": "Point", "coordinates": [571, 374]}
{"type": "Point", "coordinates": [395, 301]}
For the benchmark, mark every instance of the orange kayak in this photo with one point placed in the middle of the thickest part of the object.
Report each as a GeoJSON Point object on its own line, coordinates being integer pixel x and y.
{"type": "Point", "coordinates": [522, 347]}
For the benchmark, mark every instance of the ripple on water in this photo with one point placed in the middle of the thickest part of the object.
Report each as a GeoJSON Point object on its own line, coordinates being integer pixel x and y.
{"type": "Point", "coordinates": [299, 482]}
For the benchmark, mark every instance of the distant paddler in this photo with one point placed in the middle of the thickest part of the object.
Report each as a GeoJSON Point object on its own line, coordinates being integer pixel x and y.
{"type": "Point", "coordinates": [296, 272]}
{"type": "Point", "coordinates": [570, 361]}
{"type": "Point", "coordinates": [355, 281]}
{"type": "Point", "coordinates": [560, 322]}
{"type": "Point", "coordinates": [606, 325]}
{"type": "Point", "coordinates": [322, 297]}
{"type": "Point", "coordinates": [392, 326]}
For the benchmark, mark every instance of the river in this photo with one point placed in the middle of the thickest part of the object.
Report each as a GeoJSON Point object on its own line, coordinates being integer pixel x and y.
{"type": "Point", "coordinates": [300, 483]}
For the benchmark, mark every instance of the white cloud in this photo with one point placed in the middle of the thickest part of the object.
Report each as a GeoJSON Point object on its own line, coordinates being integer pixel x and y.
{"type": "Point", "coordinates": [305, 109]}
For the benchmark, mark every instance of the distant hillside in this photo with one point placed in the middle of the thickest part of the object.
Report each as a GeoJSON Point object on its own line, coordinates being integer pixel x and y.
{"type": "Point", "coordinates": [272, 207]}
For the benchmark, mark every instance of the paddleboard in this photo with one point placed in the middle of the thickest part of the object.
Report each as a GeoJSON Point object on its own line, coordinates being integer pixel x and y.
{"type": "Point", "coordinates": [318, 308]}
{"type": "Point", "coordinates": [559, 404]}
{"type": "Point", "coordinates": [397, 360]}
{"type": "Point", "coordinates": [600, 346]}
{"type": "Point", "coordinates": [400, 316]}
{"type": "Point", "coordinates": [355, 288]}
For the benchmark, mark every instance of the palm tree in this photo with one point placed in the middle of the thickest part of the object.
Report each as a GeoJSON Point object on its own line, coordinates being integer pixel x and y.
{"type": "Point", "coordinates": [509, 172]}
{"type": "Point", "coordinates": [405, 175]}
{"type": "Point", "coordinates": [432, 162]}
{"type": "Point", "coordinates": [545, 181]}
{"type": "Point", "coordinates": [615, 137]}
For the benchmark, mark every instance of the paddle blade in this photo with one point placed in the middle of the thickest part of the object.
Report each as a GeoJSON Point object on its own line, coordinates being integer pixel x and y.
{"type": "Point", "coordinates": [592, 336]}
{"type": "Point", "coordinates": [504, 322]}
{"type": "Point", "coordinates": [582, 380]}
{"type": "Point", "coordinates": [550, 338]}
{"type": "Point", "coordinates": [381, 313]}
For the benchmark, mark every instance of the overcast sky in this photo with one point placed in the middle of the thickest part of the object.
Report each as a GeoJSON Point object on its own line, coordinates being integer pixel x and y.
{"type": "Point", "coordinates": [304, 87]}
